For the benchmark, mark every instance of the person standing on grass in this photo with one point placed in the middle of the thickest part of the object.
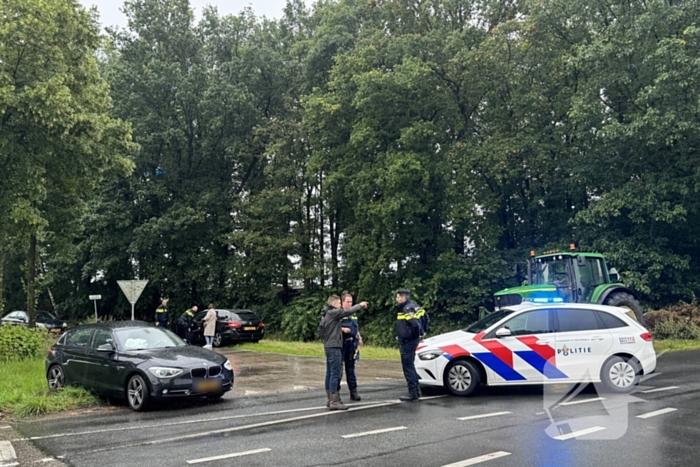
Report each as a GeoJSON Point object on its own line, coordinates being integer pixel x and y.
{"type": "Point", "coordinates": [352, 341]}
{"type": "Point", "coordinates": [209, 323]}
{"type": "Point", "coordinates": [332, 335]}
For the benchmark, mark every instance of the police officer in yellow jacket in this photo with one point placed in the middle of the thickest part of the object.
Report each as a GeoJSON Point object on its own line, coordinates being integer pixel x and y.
{"type": "Point", "coordinates": [409, 333]}
{"type": "Point", "coordinates": [184, 324]}
{"type": "Point", "coordinates": [162, 314]}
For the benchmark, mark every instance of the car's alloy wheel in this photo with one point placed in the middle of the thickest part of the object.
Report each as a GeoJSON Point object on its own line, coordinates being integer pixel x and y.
{"type": "Point", "coordinates": [56, 377]}
{"type": "Point", "coordinates": [462, 378]}
{"type": "Point", "coordinates": [137, 392]}
{"type": "Point", "coordinates": [620, 375]}
{"type": "Point", "coordinates": [217, 339]}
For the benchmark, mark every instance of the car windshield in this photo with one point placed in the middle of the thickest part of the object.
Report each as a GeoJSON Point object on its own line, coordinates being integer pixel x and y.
{"type": "Point", "coordinates": [489, 321]}
{"type": "Point", "coordinates": [146, 338]}
{"type": "Point", "coordinates": [551, 271]}
{"type": "Point", "coordinates": [44, 315]}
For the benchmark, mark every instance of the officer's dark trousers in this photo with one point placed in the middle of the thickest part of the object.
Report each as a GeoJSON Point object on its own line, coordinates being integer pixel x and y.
{"type": "Point", "coordinates": [334, 367]}
{"type": "Point", "coordinates": [408, 354]}
{"type": "Point", "coordinates": [349, 346]}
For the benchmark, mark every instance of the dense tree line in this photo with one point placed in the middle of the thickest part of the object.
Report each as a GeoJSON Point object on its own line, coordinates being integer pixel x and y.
{"type": "Point", "coordinates": [355, 144]}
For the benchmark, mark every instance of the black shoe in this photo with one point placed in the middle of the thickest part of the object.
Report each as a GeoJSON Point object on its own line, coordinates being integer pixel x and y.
{"type": "Point", "coordinates": [410, 397]}
{"type": "Point", "coordinates": [354, 396]}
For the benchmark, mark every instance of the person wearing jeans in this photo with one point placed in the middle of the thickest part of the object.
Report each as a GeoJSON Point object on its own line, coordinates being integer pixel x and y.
{"type": "Point", "coordinates": [332, 335]}
{"type": "Point", "coordinates": [209, 323]}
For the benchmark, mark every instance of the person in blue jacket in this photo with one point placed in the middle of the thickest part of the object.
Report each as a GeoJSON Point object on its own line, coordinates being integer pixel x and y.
{"type": "Point", "coordinates": [352, 341]}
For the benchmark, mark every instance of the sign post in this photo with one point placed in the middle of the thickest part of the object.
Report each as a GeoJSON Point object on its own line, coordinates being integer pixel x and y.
{"type": "Point", "coordinates": [132, 289]}
{"type": "Point", "coordinates": [95, 298]}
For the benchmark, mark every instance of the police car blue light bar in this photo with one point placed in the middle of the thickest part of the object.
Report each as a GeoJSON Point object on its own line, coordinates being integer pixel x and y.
{"type": "Point", "coordinates": [548, 300]}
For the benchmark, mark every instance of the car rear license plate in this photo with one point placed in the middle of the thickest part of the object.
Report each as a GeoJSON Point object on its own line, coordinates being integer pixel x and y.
{"type": "Point", "coordinates": [249, 328]}
{"type": "Point", "coordinates": [56, 330]}
{"type": "Point", "coordinates": [208, 385]}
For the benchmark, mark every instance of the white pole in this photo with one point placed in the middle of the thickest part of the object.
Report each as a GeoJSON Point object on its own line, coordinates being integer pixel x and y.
{"type": "Point", "coordinates": [95, 310]}
{"type": "Point", "coordinates": [132, 312]}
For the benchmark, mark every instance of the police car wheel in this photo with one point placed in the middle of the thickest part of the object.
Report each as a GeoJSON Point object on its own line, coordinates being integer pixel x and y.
{"type": "Point", "coordinates": [620, 375]}
{"type": "Point", "coordinates": [462, 378]}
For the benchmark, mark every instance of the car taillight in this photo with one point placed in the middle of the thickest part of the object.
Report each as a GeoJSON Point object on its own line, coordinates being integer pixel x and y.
{"type": "Point", "coordinates": [261, 324]}
{"type": "Point", "coordinates": [234, 324]}
{"type": "Point", "coordinates": [50, 351]}
{"type": "Point", "coordinates": [647, 336]}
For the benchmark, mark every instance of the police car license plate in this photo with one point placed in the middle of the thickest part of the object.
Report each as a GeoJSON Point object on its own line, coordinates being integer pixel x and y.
{"type": "Point", "coordinates": [249, 328]}
{"type": "Point", "coordinates": [208, 385]}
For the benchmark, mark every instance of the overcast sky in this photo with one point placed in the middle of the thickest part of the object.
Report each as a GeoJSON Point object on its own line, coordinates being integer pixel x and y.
{"type": "Point", "coordinates": [111, 16]}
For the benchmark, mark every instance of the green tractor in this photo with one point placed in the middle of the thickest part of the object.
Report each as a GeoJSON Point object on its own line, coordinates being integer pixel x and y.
{"type": "Point", "coordinates": [571, 277]}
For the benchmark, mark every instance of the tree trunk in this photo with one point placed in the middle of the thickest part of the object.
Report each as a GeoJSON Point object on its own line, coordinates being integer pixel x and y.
{"type": "Point", "coordinates": [2, 284]}
{"type": "Point", "coordinates": [31, 281]}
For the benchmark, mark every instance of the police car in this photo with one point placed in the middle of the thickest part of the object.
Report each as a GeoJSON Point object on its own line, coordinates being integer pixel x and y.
{"type": "Point", "coordinates": [534, 343]}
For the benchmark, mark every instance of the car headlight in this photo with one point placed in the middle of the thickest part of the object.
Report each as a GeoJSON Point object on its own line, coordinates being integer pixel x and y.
{"type": "Point", "coordinates": [65, 325]}
{"type": "Point", "coordinates": [161, 372]}
{"type": "Point", "coordinates": [430, 354]}
{"type": "Point", "coordinates": [228, 365]}
{"type": "Point", "coordinates": [41, 325]}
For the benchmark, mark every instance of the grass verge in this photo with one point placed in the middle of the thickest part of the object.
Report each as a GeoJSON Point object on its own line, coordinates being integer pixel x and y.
{"type": "Point", "coordinates": [23, 391]}
{"type": "Point", "coordinates": [315, 349]}
{"type": "Point", "coordinates": [673, 345]}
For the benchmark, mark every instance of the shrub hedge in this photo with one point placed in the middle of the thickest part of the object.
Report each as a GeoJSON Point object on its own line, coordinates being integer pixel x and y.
{"type": "Point", "coordinates": [22, 342]}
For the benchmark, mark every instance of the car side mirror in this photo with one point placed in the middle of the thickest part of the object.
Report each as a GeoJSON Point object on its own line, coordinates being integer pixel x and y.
{"type": "Point", "coordinates": [503, 332]}
{"type": "Point", "coordinates": [614, 275]}
{"type": "Point", "coordinates": [105, 348]}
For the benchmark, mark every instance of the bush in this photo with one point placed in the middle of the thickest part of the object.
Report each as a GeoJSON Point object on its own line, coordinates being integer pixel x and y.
{"type": "Point", "coordinates": [673, 328]}
{"type": "Point", "coordinates": [21, 342]}
{"type": "Point", "coordinates": [300, 319]}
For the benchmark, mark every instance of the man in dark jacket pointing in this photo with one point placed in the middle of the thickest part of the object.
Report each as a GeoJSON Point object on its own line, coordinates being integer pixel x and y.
{"type": "Point", "coordinates": [333, 343]}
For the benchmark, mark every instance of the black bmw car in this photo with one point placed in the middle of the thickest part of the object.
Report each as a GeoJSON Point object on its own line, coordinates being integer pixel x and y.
{"type": "Point", "coordinates": [136, 361]}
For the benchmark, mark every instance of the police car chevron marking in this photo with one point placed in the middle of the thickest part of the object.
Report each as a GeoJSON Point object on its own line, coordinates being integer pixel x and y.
{"type": "Point", "coordinates": [454, 351]}
{"type": "Point", "coordinates": [542, 357]}
{"type": "Point", "coordinates": [499, 366]}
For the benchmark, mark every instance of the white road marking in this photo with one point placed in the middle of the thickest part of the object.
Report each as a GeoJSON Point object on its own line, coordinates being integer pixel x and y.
{"type": "Point", "coordinates": [659, 389]}
{"type": "Point", "coordinates": [584, 401]}
{"type": "Point", "coordinates": [48, 459]}
{"type": "Point", "coordinates": [5, 427]}
{"type": "Point", "coordinates": [243, 427]}
{"type": "Point", "coordinates": [228, 456]}
{"type": "Point", "coordinates": [374, 432]}
{"type": "Point", "coordinates": [478, 460]}
{"type": "Point", "coordinates": [483, 415]}
{"type": "Point", "coordinates": [7, 452]}
{"type": "Point", "coordinates": [576, 434]}
{"type": "Point", "coordinates": [187, 422]}
{"type": "Point", "coordinates": [10, 464]}
{"type": "Point", "coordinates": [657, 412]}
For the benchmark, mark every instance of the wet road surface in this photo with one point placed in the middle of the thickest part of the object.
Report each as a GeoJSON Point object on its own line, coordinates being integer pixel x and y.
{"type": "Point", "coordinates": [525, 426]}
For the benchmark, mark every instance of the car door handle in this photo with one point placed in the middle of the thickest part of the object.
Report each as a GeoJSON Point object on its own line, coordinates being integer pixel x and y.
{"type": "Point", "coordinates": [543, 342]}
{"type": "Point", "coordinates": [597, 338]}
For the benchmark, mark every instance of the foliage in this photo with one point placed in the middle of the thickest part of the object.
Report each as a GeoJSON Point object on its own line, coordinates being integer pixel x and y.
{"type": "Point", "coordinates": [678, 321]}
{"type": "Point", "coordinates": [353, 145]}
{"type": "Point", "coordinates": [21, 342]}
{"type": "Point", "coordinates": [670, 328]}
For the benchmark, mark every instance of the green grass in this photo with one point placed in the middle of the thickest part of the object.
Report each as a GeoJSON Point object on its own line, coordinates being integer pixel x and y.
{"type": "Point", "coordinates": [673, 345]}
{"type": "Point", "coordinates": [315, 349]}
{"type": "Point", "coordinates": [24, 392]}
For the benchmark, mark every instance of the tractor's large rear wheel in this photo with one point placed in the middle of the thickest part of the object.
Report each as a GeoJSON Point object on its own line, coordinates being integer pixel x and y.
{"type": "Point", "coordinates": [625, 300]}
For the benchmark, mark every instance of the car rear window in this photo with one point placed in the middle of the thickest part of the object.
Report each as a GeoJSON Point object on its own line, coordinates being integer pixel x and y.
{"type": "Point", "coordinates": [610, 321]}
{"type": "Point", "coordinates": [245, 315]}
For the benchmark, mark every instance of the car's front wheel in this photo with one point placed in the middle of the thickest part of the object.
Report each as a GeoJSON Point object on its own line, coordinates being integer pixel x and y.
{"type": "Point", "coordinates": [620, 375]}
{"type": "Point", "coordinates": [462, 378]}
{"type": "Point", "coordinates": [56, 377]}
{"type": "Point", "coordinates": [137, 393]}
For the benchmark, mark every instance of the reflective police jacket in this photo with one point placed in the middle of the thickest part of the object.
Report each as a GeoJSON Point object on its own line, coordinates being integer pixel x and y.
{"type": "Point", "coordinates": [350, 322]}
{"type": "Point", "coordinates": [186, 318]}
{"type": "Point", "coordinates": [162, 314]}
{"type": "Point", "coordinates": [407, 326]}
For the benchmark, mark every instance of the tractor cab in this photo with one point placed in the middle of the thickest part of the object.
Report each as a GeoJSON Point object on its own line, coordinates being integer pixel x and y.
{"type": "Point", "coordinates": [570, 277]}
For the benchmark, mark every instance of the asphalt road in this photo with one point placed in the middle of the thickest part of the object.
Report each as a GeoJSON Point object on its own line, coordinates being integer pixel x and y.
{"type": "Point", "coordinates": [526, 426]}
